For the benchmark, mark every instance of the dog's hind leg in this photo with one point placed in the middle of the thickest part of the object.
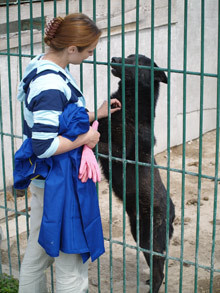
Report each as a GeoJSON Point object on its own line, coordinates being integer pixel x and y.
{"type": "Point", "coordinates": [159, 238]}
{"type": "Point", "coordinates": [159, 242]}
{"type": "Point", "coordinates": [158, 275]}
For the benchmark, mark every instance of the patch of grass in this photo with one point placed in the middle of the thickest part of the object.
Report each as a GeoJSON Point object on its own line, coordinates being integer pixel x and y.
{"type": "Point", "coordinates": [8, 284]}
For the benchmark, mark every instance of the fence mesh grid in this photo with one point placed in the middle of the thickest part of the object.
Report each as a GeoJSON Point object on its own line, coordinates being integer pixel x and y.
{"type": "Point", "coordinates": [11, 134]}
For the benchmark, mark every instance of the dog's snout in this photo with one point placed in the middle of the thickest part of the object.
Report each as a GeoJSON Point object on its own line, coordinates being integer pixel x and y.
{"type": "Point", "coordinates": [115, 60]}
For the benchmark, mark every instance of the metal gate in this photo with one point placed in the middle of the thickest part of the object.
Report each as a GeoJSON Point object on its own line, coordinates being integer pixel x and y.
{"type": "Point", "coordinates": [183, 38]}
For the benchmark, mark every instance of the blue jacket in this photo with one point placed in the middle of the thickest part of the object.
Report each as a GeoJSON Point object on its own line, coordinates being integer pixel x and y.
{"type": "Point", "coordinates": [71, 219]}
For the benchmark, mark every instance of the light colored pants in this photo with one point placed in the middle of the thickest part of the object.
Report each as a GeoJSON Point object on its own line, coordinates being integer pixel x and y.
{"type": "Point", "coordinates": [71, 273]}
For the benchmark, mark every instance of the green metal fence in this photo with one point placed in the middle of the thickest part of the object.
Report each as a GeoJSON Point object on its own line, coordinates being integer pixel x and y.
{"type": "Point", "coordinates": [23, 20]}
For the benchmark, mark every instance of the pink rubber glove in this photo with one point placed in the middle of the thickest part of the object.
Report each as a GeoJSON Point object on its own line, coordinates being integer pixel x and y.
{"type": "Point", "coordinates": [89, 168]}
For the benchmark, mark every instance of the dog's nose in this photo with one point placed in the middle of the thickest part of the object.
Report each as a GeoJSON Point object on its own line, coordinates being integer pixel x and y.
{"type": "Point", "coordinates": [115, 60]}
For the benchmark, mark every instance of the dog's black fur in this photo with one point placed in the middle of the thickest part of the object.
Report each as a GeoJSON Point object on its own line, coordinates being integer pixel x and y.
{"type": "Point", "coordinates": [144, 155]}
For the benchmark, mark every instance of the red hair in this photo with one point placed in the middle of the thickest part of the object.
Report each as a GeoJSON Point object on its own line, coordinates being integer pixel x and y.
{"type": "Point", "coordinates": [75, 29]}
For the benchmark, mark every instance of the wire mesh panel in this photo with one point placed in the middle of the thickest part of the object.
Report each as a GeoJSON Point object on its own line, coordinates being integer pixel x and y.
{"type": "Point", "coordinates": [181, 40]}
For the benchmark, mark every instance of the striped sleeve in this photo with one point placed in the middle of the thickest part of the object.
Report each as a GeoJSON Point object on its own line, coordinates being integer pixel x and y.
{"type": "Point", "coordinates": [46, 108]}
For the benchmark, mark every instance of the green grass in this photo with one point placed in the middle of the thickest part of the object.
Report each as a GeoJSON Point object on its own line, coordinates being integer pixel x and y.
{"type": "Point", "coordinates": [8, 284]}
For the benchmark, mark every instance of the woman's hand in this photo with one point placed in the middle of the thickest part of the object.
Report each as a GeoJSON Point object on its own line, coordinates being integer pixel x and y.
{"type": "Point", "coordinates": [92, 137]}
{"type": "Point", "coordinates": [102, 112]}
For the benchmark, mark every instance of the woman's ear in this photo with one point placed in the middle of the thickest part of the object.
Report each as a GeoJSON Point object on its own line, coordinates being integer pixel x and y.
{"type": "Point", "coordinates": [72, 49]}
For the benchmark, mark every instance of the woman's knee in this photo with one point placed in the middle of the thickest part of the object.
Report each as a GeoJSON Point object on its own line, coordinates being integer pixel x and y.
{"type": "Point", "coordinates": [71, 274]}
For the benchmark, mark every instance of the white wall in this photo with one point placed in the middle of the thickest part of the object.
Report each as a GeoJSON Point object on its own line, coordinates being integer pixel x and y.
{"type": "Point", "coordinates": [160, 56]}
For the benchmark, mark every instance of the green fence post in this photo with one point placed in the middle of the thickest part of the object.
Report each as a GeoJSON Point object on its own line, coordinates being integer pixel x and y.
{"type": "Point", "coordinates": [4, 185]}
{"type": "Point", "coordinates": [81, 65]}
{"type": "Point", "coordinates": [183, 142]}
{"type": "Point", "coordinates": [152, 147]}
{"type": "Point", "coordinates": [200, 142]}
{"type": "Point", "coordinates": [216, 178]}
{"type": "Point", "coordinates": [168, 142]}
{"type": "Point", "coordinates": [124, 162]}
{"type": "Point", "coordinates": [42, 26]}
{"type": "Point", "coordinates": [109, 140]}
{"type": "Point", "coordinates": [137, 146]}
{"type": "Point", "coordinates": [54, 8]}
{"type": "Point", "coordinates": [95, 111]}
{"type": "Point", "coordinates": [31, 29]}
{"type": "Point", "coordinates": [11, 134]}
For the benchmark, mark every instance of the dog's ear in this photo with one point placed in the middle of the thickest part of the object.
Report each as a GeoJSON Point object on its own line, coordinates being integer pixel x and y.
{"type": "Point", "coordinates": [160, 76]}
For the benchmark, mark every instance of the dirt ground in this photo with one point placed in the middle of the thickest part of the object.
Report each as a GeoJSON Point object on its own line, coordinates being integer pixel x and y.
{"type": "Point", "coordinates": [195, 217]}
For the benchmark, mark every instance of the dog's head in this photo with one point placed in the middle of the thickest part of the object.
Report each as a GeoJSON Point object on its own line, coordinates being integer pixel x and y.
{"type": "Point", "coordinates": [144, 74]}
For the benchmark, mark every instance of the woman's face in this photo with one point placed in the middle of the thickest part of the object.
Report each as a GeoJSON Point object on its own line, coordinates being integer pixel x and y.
{"type": "Point", "coordinates": [77, 57]}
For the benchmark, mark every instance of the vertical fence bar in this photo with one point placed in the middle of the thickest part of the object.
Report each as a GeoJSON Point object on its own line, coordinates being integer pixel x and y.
{"type": "Point", "coordinates": [43, 50]}
{"type": "Point", "coordinates": [14, 192]}
{"type": "Point", "coordinates": [80, 5]}
{"type": "Point", "coordinates": [4, 183]}
{"type": "Point", "coordinates": [11, 122]}
{"type": "Point", "coordinates": [152, 148]}
{"type": "Point", "coordinates": [19, 39]}
{"type": "Point", "coordinates": [54, 8]}
{"type": "Point", "coordinates": [95, 111]}
{"type": "Point", "coordinates": [183, 142]}
{"type": "Point", "coordinates": [5, 198]}
{"type": "Point", "coordinates": [200, 142]}
{"type": "Point", "coordinates": [67, 7]}
{"type": "Point", "coordinates": [216, 159]}
{"type": "Point", "coordinates": [123, 140]}
{"type": "Point", "coordinates": [137, 147]}
{"type": "Point", "coordinates": [1, 132]}
{"type": "Point", "coordinates": [168, 144]}
{"type": "Point", "coordinates": [20, 77]}
{"type": "Point", "coordinates": [95, 65]}
{"type": "Point", "coordinates": [31, 30]}
{"type": "Point", "coordinates": [19, 47]}
{"type": "Point", "coordinates": [81, 65]}
{"type": "Point", "coordinates": [42, 26]}
{"type": "Point", "coordinates": [109, 139]}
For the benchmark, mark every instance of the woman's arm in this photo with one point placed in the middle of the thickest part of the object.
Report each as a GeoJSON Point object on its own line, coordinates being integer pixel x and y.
{"type": "Point", "coordinates": [102, 112]}
{"type": "Point", "coordinates": [89, 138]}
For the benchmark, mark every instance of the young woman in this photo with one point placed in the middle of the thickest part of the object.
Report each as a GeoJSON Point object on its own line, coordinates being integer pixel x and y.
{"type": "Point", "coordinates": [47, 89]}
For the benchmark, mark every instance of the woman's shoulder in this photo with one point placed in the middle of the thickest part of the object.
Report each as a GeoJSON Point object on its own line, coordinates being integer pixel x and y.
{"type": "Point", "coordinates": [49, 79]}
{"type": "Point", "coordinates": [53, 86]}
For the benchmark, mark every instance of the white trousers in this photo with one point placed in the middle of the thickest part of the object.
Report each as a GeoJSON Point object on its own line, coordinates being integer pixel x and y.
{"type": "Point", "coordinates": [71, 273]}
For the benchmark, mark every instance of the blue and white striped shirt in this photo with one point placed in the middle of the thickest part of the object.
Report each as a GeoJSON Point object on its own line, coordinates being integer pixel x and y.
{"type": "Point", "coordinates": [46, 89]}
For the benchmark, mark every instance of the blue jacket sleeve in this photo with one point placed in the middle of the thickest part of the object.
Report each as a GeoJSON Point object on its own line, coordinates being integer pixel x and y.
{"type": "Point", "coordinates": [73, 121]}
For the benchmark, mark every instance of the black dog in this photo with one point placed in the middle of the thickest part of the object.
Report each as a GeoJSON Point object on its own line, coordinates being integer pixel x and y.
{"type": "Point", "coordinates": [144, 155]}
